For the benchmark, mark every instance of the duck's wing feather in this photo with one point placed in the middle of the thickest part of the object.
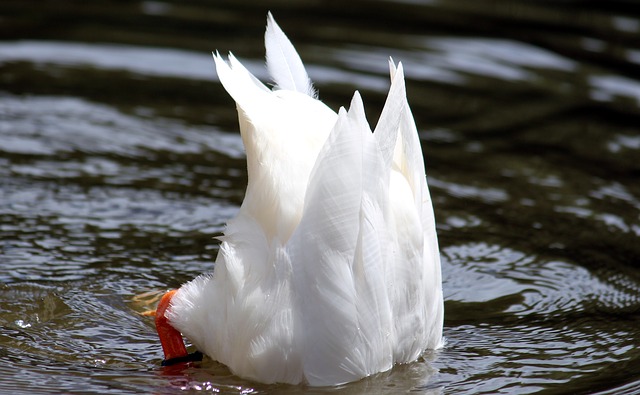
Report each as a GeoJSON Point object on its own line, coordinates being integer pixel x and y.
{"type": "Point", "coordinates": [386, 131]}
{"type": "Point", "coordinates": [338, 265]}
{"type": "Point", "coordinates": [417, 265]}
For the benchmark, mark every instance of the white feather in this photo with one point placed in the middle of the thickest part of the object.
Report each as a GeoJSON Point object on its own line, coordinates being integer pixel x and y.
{"type": "Point", "coordinates": [339, 268]}
{"type": "Point", "coordinates": [284, 63]}
{"type": "Point", "coordinates": [330, 272]}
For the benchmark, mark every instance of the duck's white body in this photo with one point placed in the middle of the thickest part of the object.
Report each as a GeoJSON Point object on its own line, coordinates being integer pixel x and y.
{"type": "Point", "coordinates": [330, 272]}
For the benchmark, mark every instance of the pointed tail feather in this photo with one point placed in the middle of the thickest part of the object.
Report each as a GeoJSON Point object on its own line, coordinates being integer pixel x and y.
{"type": "Point", "coordinates": [284, 63]}
{"type": "Point", "coordinates": [241, 85]}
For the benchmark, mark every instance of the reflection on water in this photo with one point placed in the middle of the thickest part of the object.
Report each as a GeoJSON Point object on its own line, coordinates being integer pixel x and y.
{"type": "Point", "coordinates": [140, 60]}
{"type": "Point", "coordinates": [120, 161]}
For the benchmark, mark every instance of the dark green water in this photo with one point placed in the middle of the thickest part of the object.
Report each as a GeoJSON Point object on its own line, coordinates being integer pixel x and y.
{"type": "Point", "coordinates": [120, 160]}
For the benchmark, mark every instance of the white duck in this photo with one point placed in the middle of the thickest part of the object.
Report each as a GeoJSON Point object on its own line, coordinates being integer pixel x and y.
{"type": "Point", "coordinates": [330, 272]}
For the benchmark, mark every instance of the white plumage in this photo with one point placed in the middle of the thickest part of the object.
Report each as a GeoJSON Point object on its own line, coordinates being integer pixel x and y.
{"type": "Point", "coordinates": [330, 272]}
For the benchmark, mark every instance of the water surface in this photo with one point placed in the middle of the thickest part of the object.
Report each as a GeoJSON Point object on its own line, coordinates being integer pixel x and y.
{"type": "Point", "coordinates": [120, 161]}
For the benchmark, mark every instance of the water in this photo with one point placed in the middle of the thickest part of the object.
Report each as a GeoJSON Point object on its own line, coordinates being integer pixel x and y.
{"type": "Point", "coordinates": [120, 161]}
